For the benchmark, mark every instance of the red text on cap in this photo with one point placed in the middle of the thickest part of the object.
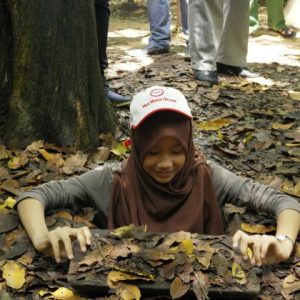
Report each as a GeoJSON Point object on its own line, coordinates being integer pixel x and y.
{"type": "Point", "coordinates": [157, 92]}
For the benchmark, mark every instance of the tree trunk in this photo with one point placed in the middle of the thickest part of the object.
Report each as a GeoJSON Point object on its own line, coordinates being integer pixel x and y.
{"type": "Point", "coordinates": [51, 86]}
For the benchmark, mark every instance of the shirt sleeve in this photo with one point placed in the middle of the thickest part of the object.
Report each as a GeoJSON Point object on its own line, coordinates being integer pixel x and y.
{"type": "Point", "coordinates": [240, 191]}
{"type": "Point", "coordinates": [92, 189]}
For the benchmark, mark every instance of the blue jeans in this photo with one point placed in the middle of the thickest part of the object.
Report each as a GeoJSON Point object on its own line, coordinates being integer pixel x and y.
{"type": "Point", "coordinates": [160, 21]}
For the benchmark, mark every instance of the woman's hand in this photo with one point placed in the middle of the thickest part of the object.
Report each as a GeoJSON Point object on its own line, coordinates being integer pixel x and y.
{"type": "Point", "coordinates": [59, 241]}
{"type": "Point", "coordinates": [266, 249]}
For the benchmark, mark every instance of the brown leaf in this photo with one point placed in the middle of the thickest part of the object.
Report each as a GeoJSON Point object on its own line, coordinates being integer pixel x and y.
{"type": "Point", "coordinates": [291, 284]}
{"type": "Point", "coordinates": [54, 159]}
{"type": "Point", "coordinates": [178, 288]}
{"type": "Point", "coordinates": [65, 215]}
{"type": "Point", "coordinates": [35, 146]}
{"type": "Point", "coordinates": [91, 258]}
{"type": "Point", "coordinates": [200, 286]}
{"type": "Point", "coordinates": [128, 292]}
{"type": "Point", "coordinates": [8, 222]}
{"type": "Point", "coordinates": [205, 254]}
{"type": "Point", "coordinates": [279, 126]}
{"type": "Point", "coordinates": [114, 277]}
{"type": "Point", "coordinates": [119, 251]}
{"type": "Point", "coordinates": [12, 186]}
{"type": "Point", "coordinates": [177, 237]}
{"type": "Point", "coordinates": [3, 173]}
{"type": "Point", "coordinates": [85, 220]}
{"type": "Point", "coordinates": [74, 163]}
{"type": "Point", "coordinates": [17, 162]}
{"type": "Point", "coordinates": [100, 156]}
{"type": "Point", "coordinates": [167, 271]}
{"type": "Point", "coordinates": [4, 153]}
{"type": "Point", "coordinates": [257, 228]}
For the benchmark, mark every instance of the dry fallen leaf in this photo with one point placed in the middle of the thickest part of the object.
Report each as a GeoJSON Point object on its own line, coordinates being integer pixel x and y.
{"type": "Point", "coordinates": [63, 293]}
{"type": "Point", "coordinates": [238, 273]}
{"type": "Point", "coordinates": [291, 283]}
{"type": "Point", "coordinates": [4, 153]}
{"type": "Point", "coordinates": [74, 163]}
{"type": "Point", "coordinates": [257, 228]}
{"type": "Point", "coordinates": [215, 124]}
{"type": "Point", "coordinates": [294, 95]}
{"type": "Point", "coordinates": [8, 203]}
{"type": "Point", "coordinates": [187, 247]}
{"type": "Point", "coordinates": [114, 277]}
{"type": "Point", "coordinates": [100, 156]}
{"type": "Point", "coordinates": [282, 126]}
{"type": "Point", "coordinates": [17, 162]}
{"type": "Point", "coordinates": [120, 150]}
{"type": "Point", "coordinates": [128, 292]}
{"type": "Point", "coordinates": [14, 274]}
{"type": "Point", "coordinates": [178, 288]}
{"type": "Point", "coordinates": [123, 230]}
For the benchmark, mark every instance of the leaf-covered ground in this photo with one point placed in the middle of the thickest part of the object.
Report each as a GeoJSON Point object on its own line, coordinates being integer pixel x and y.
{"type": "Point", "coordinates": [251, 127]}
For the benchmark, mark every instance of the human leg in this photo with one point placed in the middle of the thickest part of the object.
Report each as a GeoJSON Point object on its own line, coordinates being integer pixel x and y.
{"type": "Point", "coordinates": [276, 19]}
{"type": "Point", "coordinates": [253, 20]}
{"type": "Point", "coordinates": [205, 22]}
{"type": "Point", "coordinates": [160, 22]}
{"type": "Point", "coordinates": [184, 26]}
{"type": "Point", "coordinates": [102, 23]}
{"type": "Point", "coordinates": [233, 46]}
{"type": "Point", "coordinates": [184, 16]}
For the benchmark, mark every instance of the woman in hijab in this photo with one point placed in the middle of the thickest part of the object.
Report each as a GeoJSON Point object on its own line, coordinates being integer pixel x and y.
{"type": "Point", "coordinates": [165, 184]}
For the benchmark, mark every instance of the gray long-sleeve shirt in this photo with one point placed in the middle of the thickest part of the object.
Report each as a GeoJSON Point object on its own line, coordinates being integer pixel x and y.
{"type": "Point", "coordinates": [93, 189]}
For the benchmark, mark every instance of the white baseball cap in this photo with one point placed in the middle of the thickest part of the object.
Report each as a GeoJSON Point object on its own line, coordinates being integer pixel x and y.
{"type": "Point", "coordinates": [154, 99]}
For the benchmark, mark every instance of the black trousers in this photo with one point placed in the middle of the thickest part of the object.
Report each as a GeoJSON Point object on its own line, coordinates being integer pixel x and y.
{"type": "Point", "coordinates": [102, 20]}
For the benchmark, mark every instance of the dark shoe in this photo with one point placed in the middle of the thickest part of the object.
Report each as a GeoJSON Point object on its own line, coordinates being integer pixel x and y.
{"type": "Point", "coordinates": [153, 50]}
{"type": "Point", "coordinates": [208, 76]}
{"type": "Point", "coordinates": [115, 97]}
{"type": "Point", "coordinates": [110, 94]}
{"type": "Point", "coordinates": [286, 32]}
{"type": "Point", "coordinates": [234, 71]}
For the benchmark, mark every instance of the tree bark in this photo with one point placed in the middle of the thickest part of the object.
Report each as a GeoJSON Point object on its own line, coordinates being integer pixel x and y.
{"type": "Point", "coordinates": [51, 86]}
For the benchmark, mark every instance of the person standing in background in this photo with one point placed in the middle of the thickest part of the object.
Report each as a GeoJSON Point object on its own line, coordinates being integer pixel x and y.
{"type": "Point", "coordinates": [102, 22]}
{"type": "Point", "coordinates": [159, 16]}
{"type": "Point", "coordinates": [276, 20]}
{"type": "Point", "coordinates": [218, 31]}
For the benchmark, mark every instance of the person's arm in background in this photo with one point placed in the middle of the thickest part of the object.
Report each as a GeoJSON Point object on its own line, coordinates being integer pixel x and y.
{"type": "Point", "coordinates": [90, 189]}
{"type": "Point", "coordinates": [246, 192]}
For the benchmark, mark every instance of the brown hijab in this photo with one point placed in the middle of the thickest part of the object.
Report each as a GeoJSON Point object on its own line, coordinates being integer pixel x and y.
{"type": "Point", "coordinates": [186, 203]}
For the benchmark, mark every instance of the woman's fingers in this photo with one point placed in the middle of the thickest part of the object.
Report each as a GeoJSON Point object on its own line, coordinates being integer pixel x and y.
{"type": "Point", "coordinates": [87, 234]}
{"type": "Point", "coordinates": [240, 239]}
{"type": "Point", "coordinates": [256, 250]}
{"type": "Point", "coordinates": [54, 241]}
{"type": "Point", "coordinates": [63, 236]}
{"type": "Point", "coordinates": [266, 249]}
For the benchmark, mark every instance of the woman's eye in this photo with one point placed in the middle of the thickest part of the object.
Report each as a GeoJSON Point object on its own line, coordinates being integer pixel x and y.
{"type": "Point", "coordinates": [178, 150]}
{"type": "Point", "coordinates": [153, 152]}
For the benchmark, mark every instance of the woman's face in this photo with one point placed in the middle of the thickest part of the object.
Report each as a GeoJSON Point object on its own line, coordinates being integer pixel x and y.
{"type": "Point", "coordinates": [164, 160]}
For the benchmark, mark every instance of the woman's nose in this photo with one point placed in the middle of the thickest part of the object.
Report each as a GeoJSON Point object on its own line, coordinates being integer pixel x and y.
{"type": "Point", "coordinates": [165, 162]}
